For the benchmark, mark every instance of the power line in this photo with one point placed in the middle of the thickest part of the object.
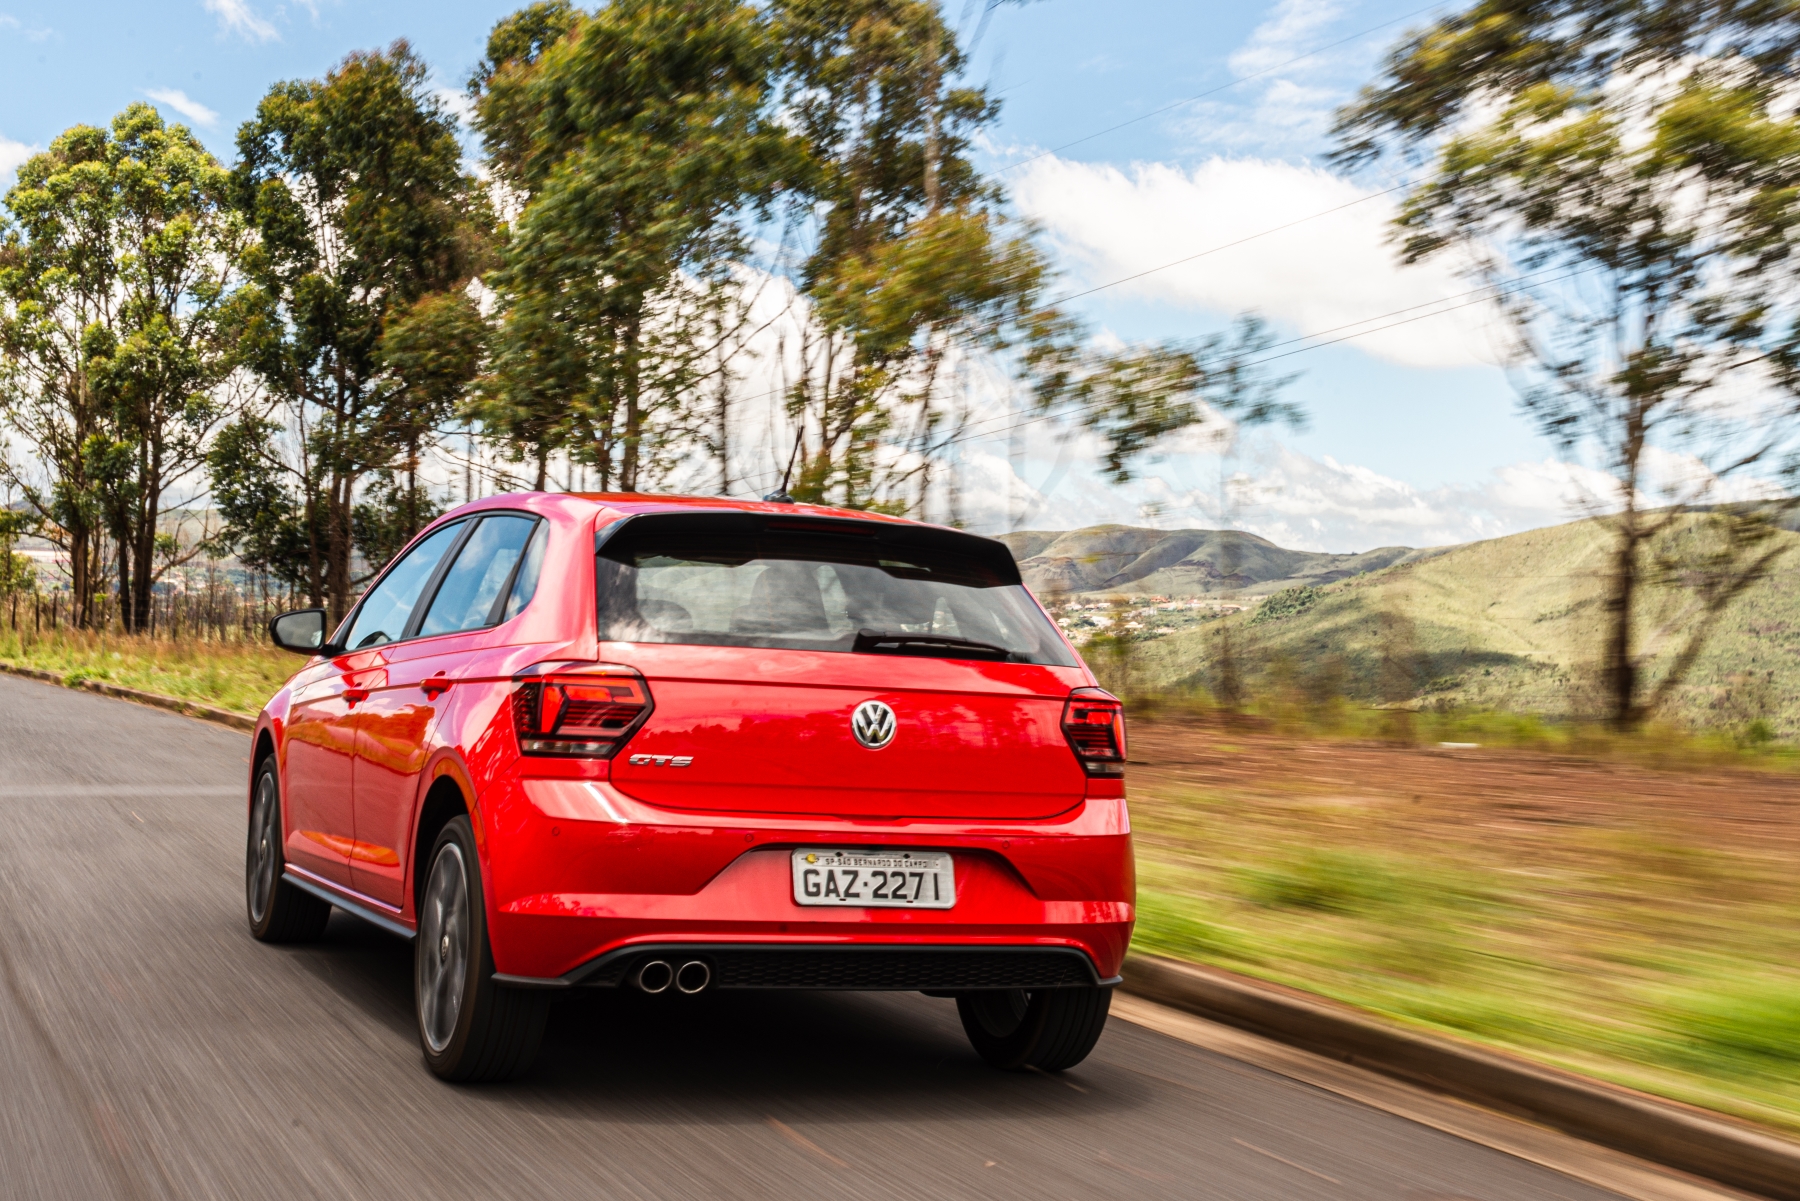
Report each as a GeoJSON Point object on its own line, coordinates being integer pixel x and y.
{"type": "Point", "coordinates": [1215, 91]}
{"type": "Point", "coordinates": [1480, 295]}
{"type": "Point", "coordinates": [976, 431]}
{"type": "Point", "coordinates": [1392, 324]}
{"type": "Point", "coordinates": [1410, 308]}
{"type": "Point", "coordinates": [980, 429]}
{"type": "Point", "coordinates": [1228, 245]}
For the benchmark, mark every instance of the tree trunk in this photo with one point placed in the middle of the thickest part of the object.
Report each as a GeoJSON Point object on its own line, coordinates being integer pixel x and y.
{"type": "Point", "coordinates": [1618, 664]}
{"type": "Point", "coordinates": [338, 545]}
{"type": "Point", "coordinates": [932, 135]}
{"type": "Point", "coordinates": [412, 487]}
{"type": "Point", "coordinates": [144, 582]}
{"type": "Point", "coordinates": [629, 462]}
{"type": "Point", "coordinates": [1618, 653]}
{"type": "Point", "coordinates": [81, 576]}
{"type": "Point", "coordinates": [315, 567]}
{"type": "Point", "coordinates": [724, 432]}
{"type": "Point", "coordinates": [125, 545]}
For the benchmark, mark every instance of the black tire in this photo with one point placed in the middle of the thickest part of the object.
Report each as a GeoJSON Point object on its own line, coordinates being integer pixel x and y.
{"type": "Point", "coordinates": [470, 1028]}
{"type": "Point", "coordinates": [278, 911]}
{"type": "Point", "coordinates": [1049, 1029]}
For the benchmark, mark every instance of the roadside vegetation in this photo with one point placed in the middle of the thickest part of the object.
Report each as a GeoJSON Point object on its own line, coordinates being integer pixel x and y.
{"type": "Point", "coordinates": [1635, 923]}
{"type": "Point", "coordinates": [231, 674]}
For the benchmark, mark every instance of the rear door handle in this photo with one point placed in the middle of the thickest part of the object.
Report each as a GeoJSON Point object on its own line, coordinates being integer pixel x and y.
{"type": "Point", "coordinates": [354, 696]}
{"type": "Point", "coordinates": [435, 685]}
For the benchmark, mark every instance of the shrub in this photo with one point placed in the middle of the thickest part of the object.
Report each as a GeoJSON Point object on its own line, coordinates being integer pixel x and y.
{"type": "Point", "coordinates": [1289, 602]}
{"type": "Point", "coordinates": [1334, 881]}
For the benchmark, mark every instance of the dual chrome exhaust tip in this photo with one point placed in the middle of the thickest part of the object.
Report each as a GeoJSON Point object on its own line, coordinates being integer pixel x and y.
{"type": "Point", "coordinates": [659, 975]}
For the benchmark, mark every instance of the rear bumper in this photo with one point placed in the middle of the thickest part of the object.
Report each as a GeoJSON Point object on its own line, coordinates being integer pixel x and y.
{"type": "Point", "coordinates": [584, 881]}
{"type": "Point", "coordinates": [860, 968]}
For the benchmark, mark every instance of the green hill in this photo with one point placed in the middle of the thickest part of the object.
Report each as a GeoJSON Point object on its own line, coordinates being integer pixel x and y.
{"type": "Point", "coordinates": [1512, 623]}
{"type": "Point", "coordinates": [1130, 560]}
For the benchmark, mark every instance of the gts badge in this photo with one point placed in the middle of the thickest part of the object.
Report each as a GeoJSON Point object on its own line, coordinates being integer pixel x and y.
{"type": "Point", "coordinates": [661, 760]}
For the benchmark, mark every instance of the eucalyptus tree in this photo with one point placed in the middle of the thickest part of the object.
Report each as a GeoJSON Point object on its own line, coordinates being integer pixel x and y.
{"type": "Point", "coordinates": [17, 572]}
{"type": "Point", "coordinates": [1627, 177]}
{"type": "Point", "coordinates": [916, 266]}
{"type": "Point", "coordinates": [912, 258]}
{"type": "Point", "coordinates": [118, 287]}
{"type": "Point", "coordinates": [368, 234]}
{"type": "Point", "coordinates": [628, 144]}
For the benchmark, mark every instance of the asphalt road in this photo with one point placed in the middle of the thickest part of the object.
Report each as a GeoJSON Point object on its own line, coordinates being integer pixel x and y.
{"type": "Point", "coordinates": [150, 1048]}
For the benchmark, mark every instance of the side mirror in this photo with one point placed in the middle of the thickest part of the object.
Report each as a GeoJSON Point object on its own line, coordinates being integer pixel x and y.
{"type": "Point", "coordinates": [302, 631]}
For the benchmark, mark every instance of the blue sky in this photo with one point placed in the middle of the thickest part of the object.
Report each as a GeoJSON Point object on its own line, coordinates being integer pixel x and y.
{"type": "Point", "coordinates": [1413, 435]}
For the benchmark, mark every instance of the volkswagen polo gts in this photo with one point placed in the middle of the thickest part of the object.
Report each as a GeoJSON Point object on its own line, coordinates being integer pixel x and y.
{"type": "Point", "coordinates": [573, 742]}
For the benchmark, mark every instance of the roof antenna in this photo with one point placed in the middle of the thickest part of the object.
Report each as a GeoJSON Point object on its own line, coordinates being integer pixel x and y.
{"type": "Point", "coordinates": [780, 495]}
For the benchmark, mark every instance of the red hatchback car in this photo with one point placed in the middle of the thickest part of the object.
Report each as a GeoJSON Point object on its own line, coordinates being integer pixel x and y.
{"type": "Point", "coordinates": [672, 744]}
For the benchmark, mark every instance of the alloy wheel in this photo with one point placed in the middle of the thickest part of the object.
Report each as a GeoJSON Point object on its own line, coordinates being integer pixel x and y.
{"type": "Point", "coordinates": [443, 954]}
{"type": "Point", "coordinates": [259, 868]}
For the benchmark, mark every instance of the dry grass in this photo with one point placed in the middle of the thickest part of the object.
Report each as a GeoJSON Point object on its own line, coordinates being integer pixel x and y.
{"type": "Point", "coordinates": [240, 676]}
{"type": "Point", "coordinates": [1638, 924]}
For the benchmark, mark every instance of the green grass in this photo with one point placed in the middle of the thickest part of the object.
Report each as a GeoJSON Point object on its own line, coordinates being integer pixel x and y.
{"type": "Point", "coordinates": [1659, 744]}
{"type": "Point", "coordinates": [1512, 624]}
{"type": "Point", "coordinates": [1641, 950]}
{"type": "Point", "coordinates": [230, 675]}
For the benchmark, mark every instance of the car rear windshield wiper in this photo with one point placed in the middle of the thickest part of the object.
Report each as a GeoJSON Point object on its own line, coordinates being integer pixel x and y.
{"type": "Point", "coordinates": [941, 646]}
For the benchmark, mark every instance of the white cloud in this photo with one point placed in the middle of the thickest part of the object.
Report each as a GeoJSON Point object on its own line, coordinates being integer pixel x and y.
{"type": "Point", "coordinates": [1292, 499]}
{"type": "Point", "coordinates": [8, 21]}
{"type": "Point", "coordinates": [1297, 501]}
{"type": "Point", "coordinates": [179, 100]}
{"type": "Point", "coordinates": [1294, 74]}
{"type": "Point", "coordinates": [1289, 32]}
{"type": "Point", "coordinates": [12, 157]}
{"type": "Point", "coordinates": [236, 16]}
{"type": "Point", "coordinates": [1321, 274]}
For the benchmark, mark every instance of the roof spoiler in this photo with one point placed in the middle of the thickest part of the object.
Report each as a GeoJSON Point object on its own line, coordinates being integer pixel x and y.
{"type": "Point", "coordinates": [992, 554]}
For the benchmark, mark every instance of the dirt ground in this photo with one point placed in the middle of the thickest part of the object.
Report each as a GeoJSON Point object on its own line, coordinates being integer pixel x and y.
{"type": "Point", "coordinates": [1509, 789]}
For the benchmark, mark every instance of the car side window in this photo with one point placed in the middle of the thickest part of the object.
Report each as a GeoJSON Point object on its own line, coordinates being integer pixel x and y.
{"type": "Point", "coordinates": [383, 614]}
{"type": "Point", "coordinates": [472, 588]}
{"type": "Point", "coordinates": [526, 581]}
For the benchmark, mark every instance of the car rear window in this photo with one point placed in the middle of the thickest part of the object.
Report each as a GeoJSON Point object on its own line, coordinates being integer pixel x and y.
{"type": "Point", "coordinates": [850, 588]}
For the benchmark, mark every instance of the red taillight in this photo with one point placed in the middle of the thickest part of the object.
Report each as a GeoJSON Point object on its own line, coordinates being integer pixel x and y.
{"type": "Point", "coordinates": [587, 711]}
{"type": "Point", "coordinates": [1094, 723]}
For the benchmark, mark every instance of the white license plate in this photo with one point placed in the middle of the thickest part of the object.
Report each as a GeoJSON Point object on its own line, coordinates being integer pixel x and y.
{"type": "Point", "coordinates": [874, 879]}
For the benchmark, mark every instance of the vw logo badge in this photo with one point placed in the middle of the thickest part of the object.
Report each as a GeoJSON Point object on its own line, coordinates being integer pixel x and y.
{"type": "Point", "coordinates": [873, 724]}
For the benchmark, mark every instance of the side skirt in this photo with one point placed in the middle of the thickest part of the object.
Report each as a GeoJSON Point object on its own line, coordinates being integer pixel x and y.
{"type": "Point", "coordinates": [364, 910]}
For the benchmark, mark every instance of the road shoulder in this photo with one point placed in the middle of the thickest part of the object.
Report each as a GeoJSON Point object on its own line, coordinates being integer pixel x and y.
{"type": "Point", "coordinates": [1626, 1175]}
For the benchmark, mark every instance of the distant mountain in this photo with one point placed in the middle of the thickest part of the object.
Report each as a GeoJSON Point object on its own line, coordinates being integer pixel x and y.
{"type": "Point", "coordinates": [1132, 561]}
{"type": "Point", "coordinates": [1511, 623]}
